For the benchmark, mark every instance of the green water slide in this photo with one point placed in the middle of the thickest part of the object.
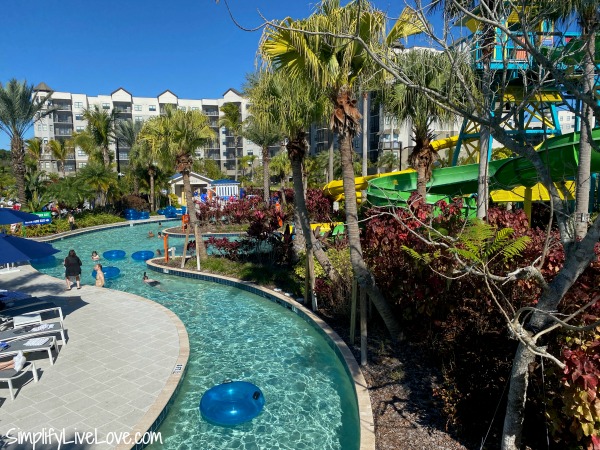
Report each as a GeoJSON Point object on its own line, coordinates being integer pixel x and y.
{"type": "Point", "coordinates": [560, 154]}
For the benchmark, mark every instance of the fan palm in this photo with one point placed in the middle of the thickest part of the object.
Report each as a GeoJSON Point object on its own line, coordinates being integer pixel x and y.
{"type": "Point", "coordinates": [232, 120]}
{"type": "Point", "coordinates": [19, 107]}
{"type": "Point", "coordinates": [173, 140]}
{"type": "Point", "coordinates": [312, 50]}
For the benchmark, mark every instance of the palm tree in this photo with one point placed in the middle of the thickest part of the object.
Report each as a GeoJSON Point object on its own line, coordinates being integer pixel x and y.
{"type": "Point", "coordinates": [72, 191]}
{"type": "Point", "coordinates": [126, 133]}
{"type": "Point", "coordinates": [334, 64]}
{"type": "Point", "coordinates": [388, 161]}
{"type": "Point", "coordinates": [142, 156]}
{"type": "Point", "coordinates": [99, 133]}
{"type": "Point", "coordinates": [99, 178]}
{"type": "Point", "coordinates": [264, 136]}
{"type": "Point", "coordinates": [175, 137]}
{"type": "Point", "coordinates": [19, 107]}
{"type": "Point", "coordinates": [280, 168]}
{"type": "Point", "coordinates": [259, 128]}
{"type": "Point", "coordinates": [34, 148]}
{"type": "Point", "coordinates": [435, 71]}
{"type": "Point", "coordinates": [60, 151]}
{"type": "Point", "coordinates": [232, 120]}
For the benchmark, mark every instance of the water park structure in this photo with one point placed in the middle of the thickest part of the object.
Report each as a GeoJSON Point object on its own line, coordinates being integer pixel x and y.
{"type": "Point", "coordinates": [530, 115]}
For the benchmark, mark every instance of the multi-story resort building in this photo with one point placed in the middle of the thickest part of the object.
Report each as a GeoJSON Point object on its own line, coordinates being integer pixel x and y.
{"type": "Point", "coordinates": [384, 133]}
{"type": "Point", "coordinates": [68, 118]}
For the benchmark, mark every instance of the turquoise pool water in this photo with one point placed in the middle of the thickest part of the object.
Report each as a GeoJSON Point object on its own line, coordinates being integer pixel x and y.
{"type": "Point", "coordinates": [310, 400]}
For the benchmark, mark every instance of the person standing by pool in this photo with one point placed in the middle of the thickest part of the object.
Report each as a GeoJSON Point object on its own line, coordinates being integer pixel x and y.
{"type": "Point", "coordinates": [72, 269]}
{"type": "Point", "coordinates": [71, 220]}
{"type": "Point", "coordinates": [99, 275]}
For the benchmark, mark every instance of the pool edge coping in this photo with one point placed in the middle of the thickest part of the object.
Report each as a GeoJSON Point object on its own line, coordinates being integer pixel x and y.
{"type": "Point", "coordinates": [156, 413]}
{"type": "Point", "coordinates": [365, 411]}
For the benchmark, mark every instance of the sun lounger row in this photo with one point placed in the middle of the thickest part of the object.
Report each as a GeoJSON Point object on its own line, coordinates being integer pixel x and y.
{"type": "Point", "coordinates": [29, 335]}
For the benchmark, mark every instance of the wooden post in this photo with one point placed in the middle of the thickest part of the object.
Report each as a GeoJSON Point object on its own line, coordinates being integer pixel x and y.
{"type": "Point", "coordinates": [353, 313]}
{"type": "Point", "coordinates": [185, 244]}
{"type": "Point", "coordinates": [363, 327]}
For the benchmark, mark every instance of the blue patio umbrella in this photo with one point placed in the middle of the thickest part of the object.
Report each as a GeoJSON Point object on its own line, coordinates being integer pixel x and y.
{"type": "Point", "coordinates": [9, 216]}
{"type": "Point", "coordinates": [15, 249]}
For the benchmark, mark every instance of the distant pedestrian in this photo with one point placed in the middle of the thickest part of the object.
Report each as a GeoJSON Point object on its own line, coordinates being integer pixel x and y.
{"type": "Point", "coordinates": [71, 220]}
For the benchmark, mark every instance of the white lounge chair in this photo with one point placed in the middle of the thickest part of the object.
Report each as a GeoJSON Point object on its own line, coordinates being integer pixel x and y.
{"type": "Point", "coordinates": [8, 375]}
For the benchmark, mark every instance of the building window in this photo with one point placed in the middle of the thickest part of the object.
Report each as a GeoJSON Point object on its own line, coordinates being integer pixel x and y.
{"type": "Point", "coordinates": [139, 119]}
{"type": "Point", "coordinates": [105, 105]}
{"type": "Point", "coordinates": [45, 140]}
{"type": "Point", "coordinates": [152, 108]}
{"type": "Point", "coordinates": [80, 152]}
{"type": "Point", "coordinates": [78, 116]}
{"type": "Point", "coordinates": [181, 108]}
{"type": "Point", "coordinates": [79, 129]}
{"type": "Point", "coordinates": [82, 165]}
{"type": "Point", "coordinates": [195, 108]}
{"type": "Point", "coordinates": [44, 127]}
{"type": "Point", "coordinates": [137, 107]}
{"type": "Point", "coordinates": [78, 104]}
{"type": "Point", "coordinates": [39, 127]}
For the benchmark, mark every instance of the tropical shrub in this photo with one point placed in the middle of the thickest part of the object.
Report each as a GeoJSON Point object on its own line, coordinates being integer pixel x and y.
{"type": "Point", "coordinates": [135, 202]}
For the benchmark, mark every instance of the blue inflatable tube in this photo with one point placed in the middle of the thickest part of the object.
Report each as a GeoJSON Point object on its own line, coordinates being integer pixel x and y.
{"type": "Point", "coordinates": [109, 272]}
{"type": "Point", "coordinates": [143, 255]}
{"type": "Point", "coordinates": [232, 403]}
{"type": "Point", "coordinates": [114, 254]}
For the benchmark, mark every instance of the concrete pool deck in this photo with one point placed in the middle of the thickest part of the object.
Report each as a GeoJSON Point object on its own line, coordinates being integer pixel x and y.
{"type": "Point", "coordinates": [116, 374]}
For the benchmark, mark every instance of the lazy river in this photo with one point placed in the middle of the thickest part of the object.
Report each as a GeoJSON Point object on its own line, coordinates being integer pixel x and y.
{"type": "Point", "coordinates": [233, 334]}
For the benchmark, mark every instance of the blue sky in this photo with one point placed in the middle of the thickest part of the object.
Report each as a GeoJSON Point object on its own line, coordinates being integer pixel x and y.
{"type": "Point", "coordinates": [190, 47]}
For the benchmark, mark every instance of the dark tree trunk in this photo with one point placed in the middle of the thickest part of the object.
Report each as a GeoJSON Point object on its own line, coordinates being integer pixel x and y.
{"type": "Point", "coordinates": [345, 121]}
{"type": "Point", "coordinates": [17, 153]}
{"type": "Point", "coordinates": [296, 153]}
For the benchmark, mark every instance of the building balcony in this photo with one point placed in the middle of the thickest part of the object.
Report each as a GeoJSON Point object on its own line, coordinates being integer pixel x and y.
{"type": "Point", "coordinates": [62, 106]}
{"type": "Point", "coordinates": [58, 119]}
{"type": "Point", "coordinates": [122, 110]}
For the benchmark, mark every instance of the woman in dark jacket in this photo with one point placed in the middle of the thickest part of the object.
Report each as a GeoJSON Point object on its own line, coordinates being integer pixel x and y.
{"type": "Point", "coordinates": [72, 269]}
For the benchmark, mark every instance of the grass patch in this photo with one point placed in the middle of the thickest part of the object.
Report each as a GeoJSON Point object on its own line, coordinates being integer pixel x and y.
{"type": "Point", "coordinates": [263, 275]}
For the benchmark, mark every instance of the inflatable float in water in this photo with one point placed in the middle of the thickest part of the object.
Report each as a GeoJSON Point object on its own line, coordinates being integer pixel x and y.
{"type": "Point", "coordinates": [143, 255]}
{"type": "Point", "coordinates": [114, 254]}
{"type": "Point", "coordinates": [109, 272]}
{"type": "Point", "coordinates": [232, 403]}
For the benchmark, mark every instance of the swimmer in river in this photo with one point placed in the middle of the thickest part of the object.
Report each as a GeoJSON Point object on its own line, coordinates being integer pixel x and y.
{"type": "Point", "coordinates": [95, 256]}
{"type": "Point", "coordinates": [150, 234]}
{"type": "Point", "coordinates": [150, 281]}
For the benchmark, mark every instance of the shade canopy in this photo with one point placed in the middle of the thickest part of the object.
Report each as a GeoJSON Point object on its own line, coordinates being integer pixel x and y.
{"type": "Point", "coordinates": [9, 216]}
{"type": "Point", "coordinates": [15, 249]}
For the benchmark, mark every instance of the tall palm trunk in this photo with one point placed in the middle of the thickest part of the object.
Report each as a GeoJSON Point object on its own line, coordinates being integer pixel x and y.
{"type": "Point", "coordinates": [296, 152]}
{"type": "Point", "coordinates": [17, 154]}
{"type": "Point", "coordinates": [151, 173]}
{"type": "Point", "coordinates": [266, 177]}
{"type": "Point", "coordinates": [585, 144]}
{"type": "Point", "coordinates": [345, 121]}
{"type": "Point", "coordinates": [189, 200]}
{"type": "Point", "coordinates": [106, 156]}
